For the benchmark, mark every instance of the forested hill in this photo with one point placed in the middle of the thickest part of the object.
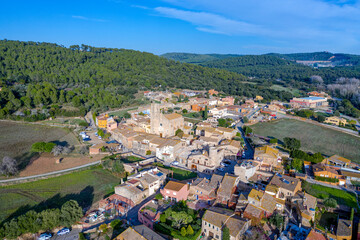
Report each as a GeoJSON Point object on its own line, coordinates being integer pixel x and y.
{"type": "Point", "coordinates": [336, 58]}
{"type": "Point", "coordinates": [274, 67]}
{"type": "Point", "coordinates": [196, 58]}
{"type": "Point", "coordinates": [54, 79]}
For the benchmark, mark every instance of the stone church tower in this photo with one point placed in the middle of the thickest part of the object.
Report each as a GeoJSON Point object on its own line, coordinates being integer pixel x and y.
{"type": "Point", "coordinates": [164, 125]}
{"type": "Point", "coordinates": [155, 119]}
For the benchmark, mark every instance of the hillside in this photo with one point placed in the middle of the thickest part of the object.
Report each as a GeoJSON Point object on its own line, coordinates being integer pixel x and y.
{"type": "Point", "coordinates": [57, 80]}
{"type": "Point", "coordinates": [196, 58]}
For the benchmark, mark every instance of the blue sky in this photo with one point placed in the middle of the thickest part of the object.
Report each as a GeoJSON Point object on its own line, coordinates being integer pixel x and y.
{"type": "Point", "coordinates": [197, 26]}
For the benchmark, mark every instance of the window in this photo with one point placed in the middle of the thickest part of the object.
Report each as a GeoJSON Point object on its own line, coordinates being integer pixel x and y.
{"type": "Point", "coordinates": [217, 236]}
{"type": "Point", "coordinates": [175, 193]}
{"type": "Point", "coordinates": [160, 124]}
{"type": "Point", "coordinates": [204, 229]}
{"type": "Point", "coordinates": [167, 191]}
{"type": "Point", "coordinates": [209, 225]}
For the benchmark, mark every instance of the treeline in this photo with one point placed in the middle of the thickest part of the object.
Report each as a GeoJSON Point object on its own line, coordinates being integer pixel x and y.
{"type": "Point", "coordinates": [274, 67]}
{"type": "Point", "coordinates": [57, 80]}
{"type": "Point", "coordinates": [33, 222]}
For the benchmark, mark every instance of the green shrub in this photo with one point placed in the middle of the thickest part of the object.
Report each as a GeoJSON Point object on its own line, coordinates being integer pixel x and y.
{"type": "Point", "coordinates": [183, 232]}
{"type": "Point", "coordinates": [326, 179]}
{"type": "Point", "coordinates": [42, 147]}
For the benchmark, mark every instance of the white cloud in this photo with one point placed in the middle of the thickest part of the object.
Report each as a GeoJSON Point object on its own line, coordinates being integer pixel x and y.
{"type": "Point", "coordinates": [330, 25]}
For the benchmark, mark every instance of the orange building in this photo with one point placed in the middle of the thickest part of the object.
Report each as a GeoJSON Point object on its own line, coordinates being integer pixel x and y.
{"type": "Point", "coordinates": [197, 108]}
{"type": "Point", "coordinates": [212, 92]}
{"type": "Point", "coordinates": [101, 121]}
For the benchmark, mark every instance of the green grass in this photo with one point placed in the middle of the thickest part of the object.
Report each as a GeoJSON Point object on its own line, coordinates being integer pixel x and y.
{"type": "Point", "coordinates": [16, 138]}
{"type": "Point", "coordinates": [293, 91]}
{"type": "Point", "coordinates": [121, 113]}
{"type": "Point", "coordinates": [181, 174]}
{"type": "Point", "coordinates": [87, 187]}
{"type": "Point", "coordinates": [342, 197]}
{"type": "Point", "coordinates": [313, 138]}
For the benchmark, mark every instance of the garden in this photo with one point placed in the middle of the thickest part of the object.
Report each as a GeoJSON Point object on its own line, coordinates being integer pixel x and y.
{"type": "Point", "coordinates": [180, 222]}
{"type": "Point", "coordinates": [342, 197]}
{"type": "Point", "coordinates": [178, 174]}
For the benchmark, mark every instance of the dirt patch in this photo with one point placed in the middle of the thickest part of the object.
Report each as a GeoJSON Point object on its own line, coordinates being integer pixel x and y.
{"type": "Point", "coordinates": [47, 163]}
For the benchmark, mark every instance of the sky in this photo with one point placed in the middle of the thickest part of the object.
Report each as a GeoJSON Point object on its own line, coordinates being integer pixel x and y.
{"type": "Point", "coordinates": [195, 26]}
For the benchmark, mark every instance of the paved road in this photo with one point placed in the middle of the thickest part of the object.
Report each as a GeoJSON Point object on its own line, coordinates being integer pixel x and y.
{"type": "Point", "coordinates": [73, 235]}
{"type": "Point", "coordinates": [49, 174]}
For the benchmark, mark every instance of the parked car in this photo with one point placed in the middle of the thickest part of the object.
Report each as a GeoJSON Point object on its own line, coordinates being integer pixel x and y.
{"type": "Point", "coordinates": [63, 231]}
{"type": "Point", "coordinates": [96, 134]}
{"type": "Point", "coordinates": [45, 236]}
{"type": "Point", "coordinates": [175, 163]}
{"type": "Point", "coordinates": [224, 164]}
{"type": "Point", "coordinates": [221, 169]}
{"type": "Point", "coordinates": [100, 137]}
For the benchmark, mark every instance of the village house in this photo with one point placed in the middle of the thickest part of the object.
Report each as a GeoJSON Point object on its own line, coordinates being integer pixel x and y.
{"type": "Point", "coordinates": [212, 92]}
{"type": "Point", "coordinates": [255, 214]}
{"type": "Point", "coordinates": [313, 235]}
{"type": "Point", "coordinates": [225, 193]}
{"type": "Point", "coordinates": [268, 157]}
{"type": "Point", "coordinates": [139, 232]}
{"type": "Point", "coordinates": [226, 101]}
{"type": "Point", "coordinates": [206, 160]}
{"type": "Point", "coordinates": [215, 219]}
{"type": "Point", "coordinates": [343, 230]}
{"type": "Point", "coordinates": [277, 108]}
{"type": "Point", "coordinates": [115, 204]}
{"type": "Point", "coordinates": [101, 121]}
{"type": "Point", "coordinates": [251, 104]}
{"type": "Point", "coordinates": [149, 213]}
{"type": "Point", "coordinates": [205, 190]}
{"type": "Point", "coordinates": [125, 136]}
{"type": "Point", "coordinates": [167, 150]}
{"type": "Point", "coordinates": [132, 191]}
{"type": "Point", "coordinates": [335, 120]}
{"type": "Point", "coordinates": [286, 186]}
{"type": "Point", "coordinates": [175, 191]}
{"type": "Point", "coordinates": [322, 170]}
{"type": "Point", "coordinates": [246, 170]}
{"type": "Point", "coordinates": [305, 205]}
{"type": "Point", "coordinates": [232, 149]}
{"type": "Point", "coordinates": [259, 98]}
{"type": "Point", "coordinates": [337, 161]}
{"type": "Point", "coordinates": [111, 124]}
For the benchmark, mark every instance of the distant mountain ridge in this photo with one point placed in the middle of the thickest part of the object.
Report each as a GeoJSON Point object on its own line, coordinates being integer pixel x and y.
{"type": "Point", "coordinates": [195, 58]}
{"type": "Point", "coordinates": [272, 66]}
{"type": "Point", "coordinates": [338, 59]}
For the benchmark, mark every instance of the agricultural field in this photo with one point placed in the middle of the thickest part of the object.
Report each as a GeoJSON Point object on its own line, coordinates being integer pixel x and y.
{"type": "Point", "coordinates": [313, 138]}
{"type": "Point", "coordinates": [16, 138]}
{"type": "Point", "coordinates": [293, 91]}
{"type": "Point", "coordinates": [87, 187]}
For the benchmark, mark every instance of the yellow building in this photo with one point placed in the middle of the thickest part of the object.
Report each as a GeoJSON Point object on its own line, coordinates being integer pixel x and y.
{"type": "Point", "coordinates": [335, 120]}
{"type": "Point", "coordinates": [259, 98]}
{"type": "Point", "coordinates": [101, 121]}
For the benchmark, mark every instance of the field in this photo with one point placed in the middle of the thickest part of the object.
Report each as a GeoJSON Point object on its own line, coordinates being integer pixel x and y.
{"type": "Point", "coordinates": [16, 138]}
{"type": "Point", "coordinates": [342, 197]}
{"type": "Point", "coordinates": [87, 187]}
{"type": "Point", "coordinates": [293, 91]}
{"type": "Point", "coordinates": [313, 138]}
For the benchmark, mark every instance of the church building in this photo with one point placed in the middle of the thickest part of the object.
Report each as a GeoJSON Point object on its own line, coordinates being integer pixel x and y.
{"type": "Point", "coordinates": [164, 125]}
